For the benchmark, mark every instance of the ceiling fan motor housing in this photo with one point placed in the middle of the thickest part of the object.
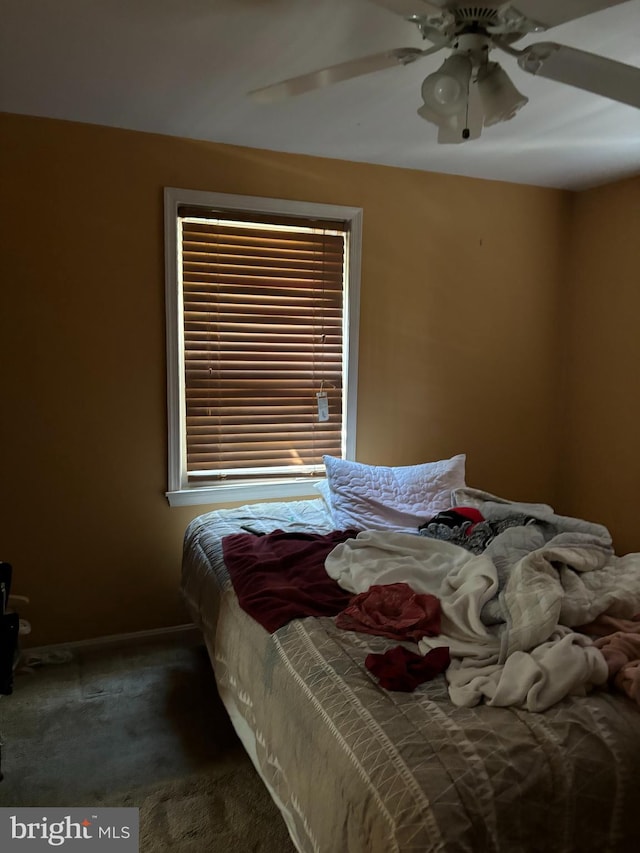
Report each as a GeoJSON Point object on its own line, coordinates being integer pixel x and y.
{"type": "Point", "coordinates": [479, 16]}
{"type": "Point", "coordinates": [491, 18]}
{"type": "Point", "coordinates": [475, 45]}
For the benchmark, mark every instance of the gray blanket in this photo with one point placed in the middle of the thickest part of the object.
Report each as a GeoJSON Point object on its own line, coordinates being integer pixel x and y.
{"type": "Point", "coordinates": [508, 612]}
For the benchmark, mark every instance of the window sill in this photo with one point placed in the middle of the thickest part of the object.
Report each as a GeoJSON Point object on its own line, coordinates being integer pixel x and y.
{"type": "Point", "coordinates": [244, 492]}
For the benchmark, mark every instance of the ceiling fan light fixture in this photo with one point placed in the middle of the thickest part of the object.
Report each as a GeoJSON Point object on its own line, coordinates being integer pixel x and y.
{"type": "Point", "coordinates": [500, 98]}
{"type": "Point", "coordinates": [445, 91]}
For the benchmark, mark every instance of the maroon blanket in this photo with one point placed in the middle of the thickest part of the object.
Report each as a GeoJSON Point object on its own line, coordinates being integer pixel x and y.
{"type": "Point", "coordinates": [281, 576]}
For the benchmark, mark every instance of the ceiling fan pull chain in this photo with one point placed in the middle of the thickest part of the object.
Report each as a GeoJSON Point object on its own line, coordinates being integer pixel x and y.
{"type": "Point", "coordinates": [466, 133]}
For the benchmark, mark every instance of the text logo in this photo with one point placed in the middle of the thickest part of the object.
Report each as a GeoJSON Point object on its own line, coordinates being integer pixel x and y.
{"type": "Point", "coordinates": [23, 830]}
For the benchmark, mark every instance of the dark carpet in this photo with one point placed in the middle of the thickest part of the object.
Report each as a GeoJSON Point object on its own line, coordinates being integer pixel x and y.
{"type": "Point", "coordinates": [138, 727]}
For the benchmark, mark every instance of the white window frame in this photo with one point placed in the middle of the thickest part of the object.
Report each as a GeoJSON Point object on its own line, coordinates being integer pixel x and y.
{"type": "Point", "coordinates": [180, 492]}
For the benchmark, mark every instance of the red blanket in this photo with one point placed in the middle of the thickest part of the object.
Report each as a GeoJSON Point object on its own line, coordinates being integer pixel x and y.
{"type": "Point", "coordinates": [281, 576]}
{"type": "Point", "coordinates": [392, 610]}
{"type": "Point", "coordinates": [401, 669]}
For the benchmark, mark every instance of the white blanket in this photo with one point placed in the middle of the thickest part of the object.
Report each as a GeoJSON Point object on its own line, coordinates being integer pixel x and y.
{"type": "Point", "coordinates": [531, 658]}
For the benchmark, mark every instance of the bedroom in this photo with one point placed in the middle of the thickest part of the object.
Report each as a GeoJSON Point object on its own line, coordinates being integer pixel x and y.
{"type": "Point", "coordinates": [535, 312]}
{"type": "Point", "coordinates": [497, 319]}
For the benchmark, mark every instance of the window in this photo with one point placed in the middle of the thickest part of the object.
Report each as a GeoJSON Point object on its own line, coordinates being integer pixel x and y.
{"type": "Point", "coordinates": [262, 321]}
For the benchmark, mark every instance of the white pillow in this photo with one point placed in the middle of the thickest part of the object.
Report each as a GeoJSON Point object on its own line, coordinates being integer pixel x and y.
{"type": "Point", "coordinates": [372, 497]}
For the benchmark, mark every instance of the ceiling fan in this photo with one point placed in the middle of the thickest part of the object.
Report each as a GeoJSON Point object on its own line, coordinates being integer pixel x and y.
{"type": "Point", "coordinates": [470, 91]}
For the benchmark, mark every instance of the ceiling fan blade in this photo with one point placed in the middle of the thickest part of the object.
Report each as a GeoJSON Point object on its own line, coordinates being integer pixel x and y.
{"type": "Point", "coordinates": [337, 73]}
{"type": "Point", "coordinates": [583, 70]}
{"type": "Point", "coordinates": [551, 13]}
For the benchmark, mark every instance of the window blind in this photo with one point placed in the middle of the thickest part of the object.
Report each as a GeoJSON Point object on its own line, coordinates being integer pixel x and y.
{"type": "Point", "coordinates": [263, 334]}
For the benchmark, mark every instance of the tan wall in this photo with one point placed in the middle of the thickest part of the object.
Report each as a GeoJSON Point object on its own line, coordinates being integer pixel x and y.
{"type": "Point", "coordinates": [457, 347]}
{"type": "Point", "coordinates": [600, 469]}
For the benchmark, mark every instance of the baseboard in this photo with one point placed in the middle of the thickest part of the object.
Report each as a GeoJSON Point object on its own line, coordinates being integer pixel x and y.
{"type": "Point", "coordinates": [185, 633]}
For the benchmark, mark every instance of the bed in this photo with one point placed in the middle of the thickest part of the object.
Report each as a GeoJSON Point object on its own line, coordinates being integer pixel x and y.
{"type": "Point", "coordinates": [355, 767]}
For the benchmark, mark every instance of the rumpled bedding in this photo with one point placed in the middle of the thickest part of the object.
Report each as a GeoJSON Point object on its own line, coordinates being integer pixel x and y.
{"type": "Point", "coordinates": [280, 576]}
{"type": "Point", "coordinates": [508, 613]}
{"type": "Point", "coordinates": [466, 527]}
{"type": "Point", "coordinates": [619, 642]}
{"type": "Point", "coordinates": [358, 768]}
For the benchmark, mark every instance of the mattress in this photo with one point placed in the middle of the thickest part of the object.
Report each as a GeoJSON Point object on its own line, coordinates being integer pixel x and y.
{"type": "Point", "coordinates": [354, 767]}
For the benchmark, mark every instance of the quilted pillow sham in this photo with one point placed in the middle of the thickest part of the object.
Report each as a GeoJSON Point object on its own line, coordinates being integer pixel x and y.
{"type": "Point", "coordinates": [375, 497]}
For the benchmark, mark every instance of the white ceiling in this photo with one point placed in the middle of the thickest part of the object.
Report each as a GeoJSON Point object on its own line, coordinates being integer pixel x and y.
{"type": "Point", "coordinates": [184, 67]}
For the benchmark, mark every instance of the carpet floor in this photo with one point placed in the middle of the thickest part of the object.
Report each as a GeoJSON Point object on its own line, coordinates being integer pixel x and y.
{"type": "Point", "coordinates": [138, 727]}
